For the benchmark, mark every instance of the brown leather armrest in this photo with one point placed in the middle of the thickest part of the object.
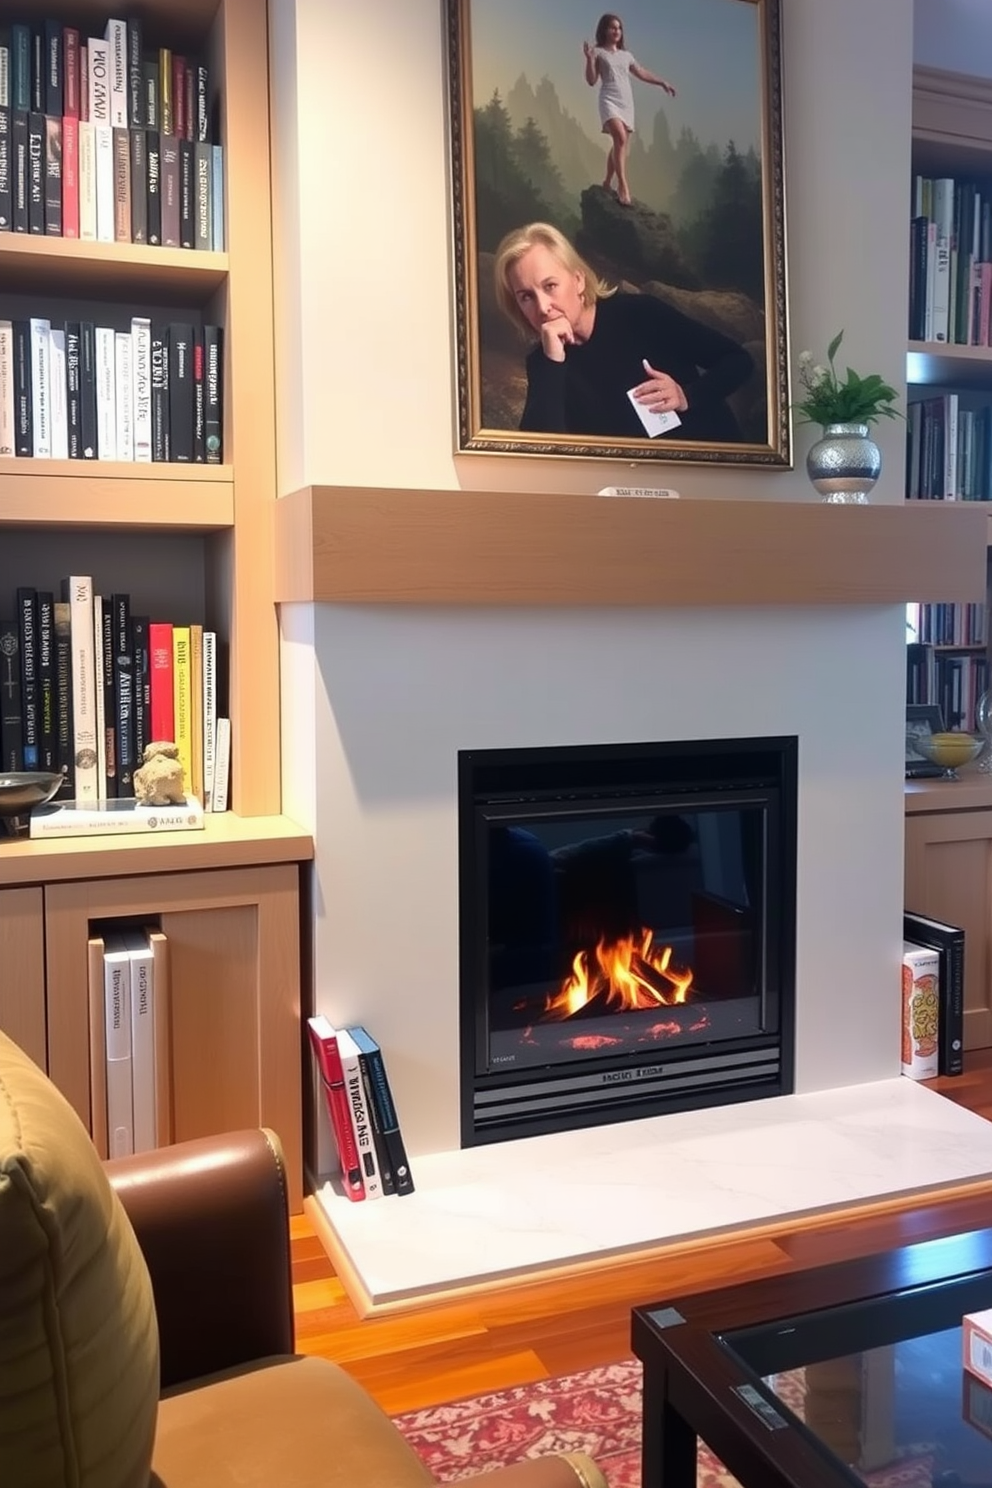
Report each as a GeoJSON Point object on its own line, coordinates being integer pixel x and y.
{"type": "Point", "coordinates": [212, 1220]}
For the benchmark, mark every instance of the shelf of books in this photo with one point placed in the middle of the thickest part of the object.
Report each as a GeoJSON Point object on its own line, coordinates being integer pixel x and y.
{"type": "Point", "coordinates": [136, 333]}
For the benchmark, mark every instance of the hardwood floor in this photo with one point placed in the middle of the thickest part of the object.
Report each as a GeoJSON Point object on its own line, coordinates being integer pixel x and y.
{"type": "Point", "coordinates": [514, 1335]}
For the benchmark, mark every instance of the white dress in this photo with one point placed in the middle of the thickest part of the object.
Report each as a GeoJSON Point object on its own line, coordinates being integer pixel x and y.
{"type": "Point", "coordinates": [616, 98]}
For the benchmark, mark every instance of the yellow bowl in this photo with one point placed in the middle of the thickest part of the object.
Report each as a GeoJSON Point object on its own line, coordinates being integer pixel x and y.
{"type": "Point", "coordinates": [949, 749]}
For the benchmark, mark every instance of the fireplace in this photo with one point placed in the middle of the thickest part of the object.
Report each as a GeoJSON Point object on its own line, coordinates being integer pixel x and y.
{"type": "Point", "coordinates": [626, 930]}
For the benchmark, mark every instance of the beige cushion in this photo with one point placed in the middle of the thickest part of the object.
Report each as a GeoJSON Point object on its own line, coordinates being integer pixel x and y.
{"type": "Point", "coordinates": [78, 1338]}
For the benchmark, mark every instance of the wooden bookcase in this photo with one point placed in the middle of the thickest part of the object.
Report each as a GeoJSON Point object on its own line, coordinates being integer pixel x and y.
{"type": "Point", "coordinates": [190, 543]}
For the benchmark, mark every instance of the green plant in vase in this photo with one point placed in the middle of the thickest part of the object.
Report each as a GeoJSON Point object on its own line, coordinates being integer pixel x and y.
{"type": "Point", "coordinates": [845, 463]}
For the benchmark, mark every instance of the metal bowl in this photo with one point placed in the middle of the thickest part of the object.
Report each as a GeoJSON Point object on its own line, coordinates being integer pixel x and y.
{"type": "Point", "coordinates": [21, 790]}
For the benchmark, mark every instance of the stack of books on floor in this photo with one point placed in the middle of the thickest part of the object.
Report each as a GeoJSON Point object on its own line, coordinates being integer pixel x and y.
{"type": "Point", "coordinates": [85, 686]}
{"type": "Point", "coordinates": [130, 1062]}
{"type": "Point", "coordinates": [359, 1114]}
{"type": "Point", "coordinates": [933, 997]}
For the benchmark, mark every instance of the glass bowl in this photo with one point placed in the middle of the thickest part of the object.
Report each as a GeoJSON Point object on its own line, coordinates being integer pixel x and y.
{"type": "Point", "coordinates": [20, 792]}
{"type": "Point", "coordinates": [949, 750]}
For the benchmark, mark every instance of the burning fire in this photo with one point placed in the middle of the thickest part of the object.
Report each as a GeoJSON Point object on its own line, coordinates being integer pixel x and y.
{"type": "Point", "coordinates": [626, 975]}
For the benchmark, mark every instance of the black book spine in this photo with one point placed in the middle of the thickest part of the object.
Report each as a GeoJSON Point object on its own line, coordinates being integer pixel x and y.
{"type": "Point", "coordinates": [382, 1157]}
{"type": "Point", "coordinates": [23, 419]}
{"type": "Point", "coordinates": [203, 193]}
{"type": "Point", "coordinates": [105, 679]}
{"type": "Point", "coordinates": [948, 941]}
{"type": "Point", "coordinates": [19, 169]}
{"type": "Point", "coordinates": [20, 66]}
{"type": "Point", "coordinates": [27, 618]}
{"type": "Point", "coordinates": [142, 686]}
{"type": "Point", "coordinates": [213, 381]}
{"type": "Point", "coordinates": [38, 69]}
{"type": "Point", "coordinates": [382, 1095]}
{"type": "Point", "coordinates": [53, 177]}
{"type": "Point", "coordinates": [46, 680]}
{"type": "Point", "coordinates": [179, 341]}
{"type": "Point", "coordinates": [11, 735]}
{"type": "Point", "coordinates": [120, 609]}
{"type": "Point", "coordinates": [87, 389]}
{"type": "Point", "coordinates": [138, 141]}
{"type": "Point", "coordinates": [136, 113]}
{"type": "Point", "coordinates": [150, 92]}
{"type": "Point", "coordinates": [6, 172]}
{"type": "Point", "coordinates": [53, 69]}
{"type": "Point", "coordinates": [63, 699]}
{"type": "Point", "coordinates": [154, 187]}
{"type": "Point", "coordinates": [186, 214]}
{"type": "Point", "coordinates": [199, 405]}
{"type": "Point", "coordinates": [36, 172]}
{"type": "Point", "coordinates": [160, 398]}
{"type": "Point", "coordinates": [73, 405]}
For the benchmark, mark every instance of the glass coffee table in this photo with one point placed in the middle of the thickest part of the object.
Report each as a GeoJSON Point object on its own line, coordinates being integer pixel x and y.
{"type": "Point", "coordinates": [835, 1377]}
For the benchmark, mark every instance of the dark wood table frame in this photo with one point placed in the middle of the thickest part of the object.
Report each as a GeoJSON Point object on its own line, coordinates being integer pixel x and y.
{"type": "Point", "coordinates": [692, 1383]}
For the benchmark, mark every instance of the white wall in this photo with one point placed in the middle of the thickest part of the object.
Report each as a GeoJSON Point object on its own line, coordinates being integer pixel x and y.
{"type": "Point", "coordinates": [366, 397]}
{"type": "Point", "coordinates": [953, 34]}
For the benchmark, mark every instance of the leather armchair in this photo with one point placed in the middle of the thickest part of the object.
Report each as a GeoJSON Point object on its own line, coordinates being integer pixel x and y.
{"type": "Point", "coordinates": [238, 1408]}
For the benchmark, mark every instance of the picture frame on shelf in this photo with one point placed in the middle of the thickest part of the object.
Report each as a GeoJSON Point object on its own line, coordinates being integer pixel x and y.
{"type": "Point", "coordinates": [678, 203]}
{"type": "Point", "coordinates": [921, 719]}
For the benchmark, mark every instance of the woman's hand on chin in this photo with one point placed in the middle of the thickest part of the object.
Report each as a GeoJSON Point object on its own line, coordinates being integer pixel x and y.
{"type": "Point", "coordinates": [555, 336]}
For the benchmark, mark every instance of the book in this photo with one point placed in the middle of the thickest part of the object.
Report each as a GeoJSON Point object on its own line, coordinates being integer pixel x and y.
{"type": "Point", "coordinates": [360, 1120]}
{"type": "Point", "coordinates": [45, 619]}
{"type": "Point", "coordinates": [41, 406]}
{"type": "Point", "coordinates": [36, 172]}
{"type": "Point", "coordinates": [330, 1074]}
{"type": "Point", "coordinates": [96, 977]}
{"type": "Point", "coordinates": [77, 591]}
{"type": "Point", "coordinates": [169, 185]}
{"type": "Point", "coordinates": [6, 171]}
{"type": "Point", "coordinates": [142, 687]}
{"type": "Point", "coordinates": [58, 393]}
{"type": "Point", "coordinates": [27, 615]}
{"type": "Point", "coordinates": [106, 712]}
{"type": "Point", "coordinates": [213, 347]}
{"type": "Point", "coordinates": [159, 945]}
{"type": "Point", "coordinates": [6, 388]}
{"type": "Point", "coordinates": [122, 186]}
{"type": "Point", "coordinates": [162, 723]}
{"type": "Point", "coordinates": [70, 176]}
{"type": "Point", "coordinates": [179, 344]}
{"type": "Point", "coordinates": [123, 395]}
{"type": "Point", "coordinates": [143, 1089]}
{"type": "Point", "coordinates": [123, 692]}
{"type": "Point", "coordinates": [209, 715]}
{"type": "Point", "coordinates": [196, 711]}
{"type": "Point", "coordinates": [62, 627]}
{"type": "Point", "coordinates": [948, 942]}
{"type": "Point", "coordinates": [182, 735]}
{"type": "Point", "coordinates": [114, 817]}
{"type": "Point", "coordinates": [920, 1011]}
{"type": "Point", "coordinates": [222, 764]}
{"type": "Point", "coordinates": [117, 1033]}
{"type": "Point", "coordinates": [141, 386]}
{"type": "Point", "coordinates": [105, 370]}
{"type": "Point", "coordinates": [385, 1118]}
{"type": "Point", "coordinates": [52, 170]}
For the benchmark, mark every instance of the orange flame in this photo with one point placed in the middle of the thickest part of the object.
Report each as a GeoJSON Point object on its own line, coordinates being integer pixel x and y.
{"type": "Point", "coordinates": [628, 975]}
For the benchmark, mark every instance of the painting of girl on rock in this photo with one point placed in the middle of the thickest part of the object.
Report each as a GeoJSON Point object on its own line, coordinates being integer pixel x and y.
{"type": "Point", "coordinates": [619, 229]}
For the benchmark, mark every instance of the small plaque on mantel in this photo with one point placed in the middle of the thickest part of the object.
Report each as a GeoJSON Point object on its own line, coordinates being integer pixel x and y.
{"type": "Point", "coordinates": [665, 493]}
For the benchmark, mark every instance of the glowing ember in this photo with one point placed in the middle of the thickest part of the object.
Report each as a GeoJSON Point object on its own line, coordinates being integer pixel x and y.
{"type": "Point", "coordinates": [625, 975]}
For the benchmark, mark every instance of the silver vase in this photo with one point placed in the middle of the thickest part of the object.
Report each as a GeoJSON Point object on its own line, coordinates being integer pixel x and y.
{"type": "Point", "coordinates": [845, 464]}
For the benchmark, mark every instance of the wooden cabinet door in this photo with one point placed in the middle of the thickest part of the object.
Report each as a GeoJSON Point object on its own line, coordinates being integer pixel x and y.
{"type": "Point", "coordinates": [22, 970]}
{"type": "Point", "coordinates": [949, 877]}
{"type": "Point", "coordinates": [233, 996]}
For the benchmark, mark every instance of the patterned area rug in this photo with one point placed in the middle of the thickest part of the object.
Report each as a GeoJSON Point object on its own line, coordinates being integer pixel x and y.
{"type": "Point", "coordinates": [597, 1411]}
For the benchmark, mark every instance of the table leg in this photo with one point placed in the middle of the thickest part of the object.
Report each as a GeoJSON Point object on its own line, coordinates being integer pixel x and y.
{"type": "Point", "coordinates": [668, 1444]}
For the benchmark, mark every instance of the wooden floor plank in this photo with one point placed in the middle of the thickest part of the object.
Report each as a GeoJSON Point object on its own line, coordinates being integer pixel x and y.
{"type": "Point", "coordinates": [514, 1335]}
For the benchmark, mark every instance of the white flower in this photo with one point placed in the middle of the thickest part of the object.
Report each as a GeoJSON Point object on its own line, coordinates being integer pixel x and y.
{"type": "Point", "coordinates": [805, 358]}
{"type": "Point", "coordinates": [819, 374]}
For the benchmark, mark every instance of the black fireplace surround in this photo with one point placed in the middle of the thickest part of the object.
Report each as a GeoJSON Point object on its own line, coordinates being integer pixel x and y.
{"type": "Point", "coordinates": [627, 931]}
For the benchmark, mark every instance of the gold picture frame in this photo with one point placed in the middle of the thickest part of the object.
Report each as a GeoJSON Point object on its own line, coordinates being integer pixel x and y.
{"type": "Point", "coordinates": [703, 233]}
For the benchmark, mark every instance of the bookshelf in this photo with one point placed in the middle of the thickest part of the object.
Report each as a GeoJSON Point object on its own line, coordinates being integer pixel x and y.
{"type": "Point", "coordinates": [191, 543]}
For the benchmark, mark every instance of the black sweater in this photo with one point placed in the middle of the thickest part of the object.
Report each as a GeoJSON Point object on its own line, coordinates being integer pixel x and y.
{"type": "Point", "coordinates": [587, 392]}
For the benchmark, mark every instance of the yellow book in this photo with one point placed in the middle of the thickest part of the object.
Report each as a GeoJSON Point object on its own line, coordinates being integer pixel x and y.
{"type": "Point", "coordinates": [166, 121]}
{"type": "Point", "coordinates": [196, 706]}
{"type": "Point", "coordinates": [183, 702]}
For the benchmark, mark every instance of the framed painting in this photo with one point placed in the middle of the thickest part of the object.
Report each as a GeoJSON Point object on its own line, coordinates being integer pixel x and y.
{"type": "Point", "coordinates": [619, 230]}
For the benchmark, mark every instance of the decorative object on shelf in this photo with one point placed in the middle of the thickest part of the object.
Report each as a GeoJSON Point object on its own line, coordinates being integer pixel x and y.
{"type": "Point", "coordinates": [983, 723]}
{"type": "Point", "coordinates": [20, 792]}
{"type": "Point", "coordinates": [921, 719]}
{"type": "Point", "coordinates": [845, 464]}
{"type": "Point", "coordinates": [158, 780]}
{"type": "Point", "coordinates": [949, 750]}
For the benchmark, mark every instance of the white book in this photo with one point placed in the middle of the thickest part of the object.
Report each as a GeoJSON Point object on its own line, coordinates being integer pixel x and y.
{"type": "Point", "coordinates": [117, 1024]}
{"type": "Point", "coordinates": [103, 170]}
{"type": "Point", "coordinates": [98, 52]}
{"type": "Point", "coordinates": [123, 395]}
{"type": "Point", "coordinates": [115, 36]}
{"type": "Point", "coordinates": [106, 393]}
{"type": "Point", "coordinates": [78, 591]}
{"type": "Point", "coordinates": [41, 407]}
{"type": "Point", "coordinates": [209, 715]}
{"type": "Point", "coordinates": [117, 817]}
{"type": "Point", "coordinates": [58, 394]}
{"type": "Point", "coordinates": [100, 698]}
{"type": "Point", "coordinates": [943, 214]}
{"type": "Point", "coordinates": [141, 386]}
{"type": "Point", "coordinates": [920, 1011]}
{"type": "Point", "coordinates": [222, 765]}
{"type": "Point", "coordinates": [358, 1109]}
{"type": "Point", "coordinates": [143, 1061]}
{"type": "Point", "coordinates": [87, 180]}
{"type": "Point", "coordinates": [950, 477]}
{"type": "Point", "coordinates": [6, 388]}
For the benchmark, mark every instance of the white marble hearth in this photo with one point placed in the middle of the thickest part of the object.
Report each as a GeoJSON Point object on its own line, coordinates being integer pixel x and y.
{"type": "Point", "coordinates": [575, 1197]}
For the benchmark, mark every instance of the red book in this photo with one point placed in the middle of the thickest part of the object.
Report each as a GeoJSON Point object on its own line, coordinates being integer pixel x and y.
{"type": "Point", "coordinates": [324, 1041]}
{"type": "Point", "coordinates": [70, 176]}
{"type": "Point", "coordinates": [161, 707]}
{"type": "Point", "coordinates": [70, 68]}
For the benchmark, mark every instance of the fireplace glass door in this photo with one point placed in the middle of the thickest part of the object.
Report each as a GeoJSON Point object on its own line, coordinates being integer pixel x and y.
{"type": "Point", "coordinates": [627, 931]}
